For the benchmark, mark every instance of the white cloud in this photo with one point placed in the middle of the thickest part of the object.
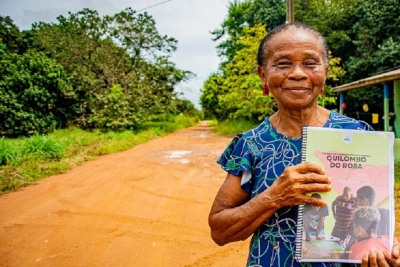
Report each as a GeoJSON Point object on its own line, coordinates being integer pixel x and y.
{"type": "Point", "coordinates": [188, 21]}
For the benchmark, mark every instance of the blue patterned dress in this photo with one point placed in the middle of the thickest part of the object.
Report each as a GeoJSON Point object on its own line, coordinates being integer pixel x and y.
{"type": "Point", "coordinates": [259, 156]}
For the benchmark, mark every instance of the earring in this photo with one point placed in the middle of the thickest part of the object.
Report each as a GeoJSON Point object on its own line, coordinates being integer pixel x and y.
{"type": "Point", "coordinates": [265, 90]}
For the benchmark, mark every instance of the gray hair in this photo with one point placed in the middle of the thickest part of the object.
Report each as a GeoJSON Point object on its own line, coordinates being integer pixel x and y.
{"type": "Point", "coordinates": [263, 48]}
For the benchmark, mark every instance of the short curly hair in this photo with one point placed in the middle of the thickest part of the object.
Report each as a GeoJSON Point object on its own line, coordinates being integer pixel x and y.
{"type": "Point", "coordinates": [367, 217]}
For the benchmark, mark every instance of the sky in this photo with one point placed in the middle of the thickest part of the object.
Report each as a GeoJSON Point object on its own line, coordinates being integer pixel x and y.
{"type": "Point", "coordinates": [188, 21]}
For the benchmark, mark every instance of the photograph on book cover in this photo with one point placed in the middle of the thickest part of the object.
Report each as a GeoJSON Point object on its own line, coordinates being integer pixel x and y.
{"type": "Point", "coordinates": [360, 210]}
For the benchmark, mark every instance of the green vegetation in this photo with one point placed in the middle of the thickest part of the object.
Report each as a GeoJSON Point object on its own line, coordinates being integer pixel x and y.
{"type": "Point", "coordinates": [28, 159]}
{"type": "Point", "coordinates": [363, 37]}
{"type": "Point", "coordinates": [111, 73]}
{"type": "Point", "coordinates": [232, 127]}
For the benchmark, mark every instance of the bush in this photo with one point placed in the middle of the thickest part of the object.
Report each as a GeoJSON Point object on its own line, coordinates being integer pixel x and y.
{"type": "Point", "coordinates": [7, 154]}
{"type": "Point", "coordinates": [43, 147]}
{"type": "Point", "coordinates": [35, 93]}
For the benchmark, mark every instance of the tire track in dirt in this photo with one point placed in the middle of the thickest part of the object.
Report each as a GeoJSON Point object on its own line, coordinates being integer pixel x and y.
{"type": "Point", "coordinates": [147, 206]}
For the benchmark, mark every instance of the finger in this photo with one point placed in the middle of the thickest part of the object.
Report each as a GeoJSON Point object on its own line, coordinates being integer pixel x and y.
{"type": "Point", "coordinates": [315, 187]}
{"type": "Point", "coordinates": [372, 258]}
{"type": "Point", "coordinates": [391, 260]}
{"type": "Point", "coordinates": [364, 260]}
{"type": "Point", "coordinates": [313, 177]}
{"type": "Point", "coordinates": [311, 201]}
{"type": "Point", "coordinates": [396, 249]}
{"type": "Point", "coordinates": [304, 190]}
{"type": "Point", "coordinates": [307, 167]}
{"type": "Point", "coordinates": [381, 261]}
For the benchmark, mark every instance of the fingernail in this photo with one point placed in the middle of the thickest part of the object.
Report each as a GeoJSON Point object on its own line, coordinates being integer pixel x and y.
{"type": "Point", "coordinates": [386, 252]}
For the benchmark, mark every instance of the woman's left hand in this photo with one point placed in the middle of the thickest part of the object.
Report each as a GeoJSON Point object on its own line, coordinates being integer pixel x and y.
{"type": "Point", "coordinates": [382, 258]}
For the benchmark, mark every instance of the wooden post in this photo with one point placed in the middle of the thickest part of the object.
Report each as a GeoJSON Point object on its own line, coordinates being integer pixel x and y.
{"type": "Point", "coordinates": [396, 102]}
{"type": "Point", "coordinates": [289, 11]}
{"type": "Point", "coordinates": [386, 106]}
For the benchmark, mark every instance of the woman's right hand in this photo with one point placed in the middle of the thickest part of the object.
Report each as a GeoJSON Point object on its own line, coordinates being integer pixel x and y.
{"type": "Point", "coordinates": [292, 187]}
{"type": "Point", "coordinates": [234, 216]}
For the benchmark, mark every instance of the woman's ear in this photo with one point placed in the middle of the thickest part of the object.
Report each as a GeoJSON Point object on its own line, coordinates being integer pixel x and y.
{"type": "Point", "coordinates": [261, 73]}
{"type": "Point", "coordinates": [360, 232]}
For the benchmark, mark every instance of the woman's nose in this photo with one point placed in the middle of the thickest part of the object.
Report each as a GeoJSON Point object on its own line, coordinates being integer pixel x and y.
{"type": "Point", "coordinates": [297, 72]}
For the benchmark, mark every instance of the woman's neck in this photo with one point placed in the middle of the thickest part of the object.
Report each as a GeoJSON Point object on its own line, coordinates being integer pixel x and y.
{"type": "Point", "coordinates": [290, 122]}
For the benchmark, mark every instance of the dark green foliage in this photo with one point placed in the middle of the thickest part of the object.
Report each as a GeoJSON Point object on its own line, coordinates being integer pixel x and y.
{"type": "Point", "coordinates": [100, 53]}
{"type": "Point", "coordinates": [34, 93]}
{"type": "Point", "coordinates": [376, 36]}
{"type": "Point", "coordinates": [115, 112]}
{"type": "Point", "coordinates": [243, 14]}
{"type": "Point", "coordinates": [10, 35]}
{"type": "Point", "coordinates": [210, 93]}
{"type": "Point", "coordinates": [184, 106]}
{"type": "Point", "coordinates": [363, 36]}
{"type": "Point", "coordinates": [110, 72]}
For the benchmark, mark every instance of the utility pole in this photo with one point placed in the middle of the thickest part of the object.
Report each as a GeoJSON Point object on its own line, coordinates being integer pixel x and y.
{"type": "Point", "coordinates": [289, 11]}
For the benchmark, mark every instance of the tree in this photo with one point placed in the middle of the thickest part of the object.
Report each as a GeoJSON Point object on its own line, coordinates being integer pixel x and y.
{"type": "Point", "coordinates": [236, 93]}
{"type": "Point", "coordinates": [363, 37]}
{"type": "Point", "coordinates": [376, 28]}
{"type": "Point", "coordinates": [99, 52]}
{"type": "Point", "coordinates": [115, 113]}
{"type": "Point", "coordinates": [242, 14]}
{"type": "Point", "coordinates": [34, 93]}
{"type": "Point", "coordinates": [10, 35]}
{"type": "Point", "coordinates": [209, 99]}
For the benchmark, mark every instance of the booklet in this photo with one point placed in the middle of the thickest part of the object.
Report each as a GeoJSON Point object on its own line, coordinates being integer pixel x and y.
{"type": "Point", "coordinates": [359, 215]}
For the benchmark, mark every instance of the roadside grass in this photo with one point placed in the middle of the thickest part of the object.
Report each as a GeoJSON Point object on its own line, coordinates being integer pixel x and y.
{"type": "Point", "coordinates": [231, 128]}
{"type": "Point", "coordinates": [28, 159]}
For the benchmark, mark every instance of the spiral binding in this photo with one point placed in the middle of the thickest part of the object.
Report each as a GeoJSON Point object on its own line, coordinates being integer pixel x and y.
{"type": "Point", "coordinates": [299, 234]}
{"type": "Point", "coordinates": [303, 143]}
{"type": "Point", "coordinates": [300, 225]}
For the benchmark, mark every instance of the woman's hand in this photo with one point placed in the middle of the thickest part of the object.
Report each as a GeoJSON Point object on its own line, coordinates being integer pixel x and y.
{"type": "Point", "coordinates": [292, 186]}
{"type": "Point", "coordinates": [382, 258]}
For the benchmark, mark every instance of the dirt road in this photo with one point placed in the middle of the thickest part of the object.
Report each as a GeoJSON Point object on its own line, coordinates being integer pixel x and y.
{"type": "Point", "coordinates": [147, 206]}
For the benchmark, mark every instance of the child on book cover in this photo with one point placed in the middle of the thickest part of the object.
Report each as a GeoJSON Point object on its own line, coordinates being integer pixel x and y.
{"type": "Point", "coordinates": [366, 220]}
{"type": "Point", "coordinates": [314, 218]}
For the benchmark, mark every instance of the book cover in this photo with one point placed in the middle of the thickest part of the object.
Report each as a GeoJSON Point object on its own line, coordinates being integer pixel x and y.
{"type": "Point", "coordinates": [359, 215]}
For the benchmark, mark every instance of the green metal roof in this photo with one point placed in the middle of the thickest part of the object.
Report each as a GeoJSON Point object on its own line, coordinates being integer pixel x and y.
{"type": "Point", "coordinates": [380, 78]}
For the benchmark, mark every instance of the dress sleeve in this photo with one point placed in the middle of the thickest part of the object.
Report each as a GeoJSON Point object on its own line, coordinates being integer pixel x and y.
{"type": "Point", "coordinates": [236, 159]}
{"type": "Point", "coordinates": [362, 125]}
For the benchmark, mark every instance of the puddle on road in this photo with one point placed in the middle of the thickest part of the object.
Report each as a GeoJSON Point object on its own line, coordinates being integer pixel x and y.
{"type": "Point", "coordinates": [179, 156]}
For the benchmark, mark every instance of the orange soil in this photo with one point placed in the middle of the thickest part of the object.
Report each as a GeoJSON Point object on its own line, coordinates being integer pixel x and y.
{"type": "Point", "coordinates": [147, 206]}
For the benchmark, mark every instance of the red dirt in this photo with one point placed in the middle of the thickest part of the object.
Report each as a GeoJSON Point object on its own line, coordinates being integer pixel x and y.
{"type": "Point", "coordinates": [147, 206]}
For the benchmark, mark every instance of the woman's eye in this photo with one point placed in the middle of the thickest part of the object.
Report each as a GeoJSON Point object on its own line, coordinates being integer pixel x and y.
{"type": "Point", "coordinates": [311, 64]}
{"type": "Point", "coordinates": [284, 64]}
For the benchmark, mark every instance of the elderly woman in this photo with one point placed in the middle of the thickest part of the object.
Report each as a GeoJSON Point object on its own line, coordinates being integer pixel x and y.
{"type": "Point", "coordinates": [266, 180]}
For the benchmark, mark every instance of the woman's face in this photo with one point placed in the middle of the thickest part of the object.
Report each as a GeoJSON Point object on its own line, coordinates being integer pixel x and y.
{"type": "Point", "coordinates": [294, 70]}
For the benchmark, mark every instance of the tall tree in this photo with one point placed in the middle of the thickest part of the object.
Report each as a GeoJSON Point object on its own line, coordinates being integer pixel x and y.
{"type": "Point", "coordinates": [363, 37]}
{"type": "Point", "coordinates": [35, 93]}
{"type": "Point", "coordinates": [99, 52]}
{"type": "Point", "coordinates": [376, 33]}
{"type": "Point", "coordinates": [242, 14]}
{"type": "Point", "coordinates": [10, 35]}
